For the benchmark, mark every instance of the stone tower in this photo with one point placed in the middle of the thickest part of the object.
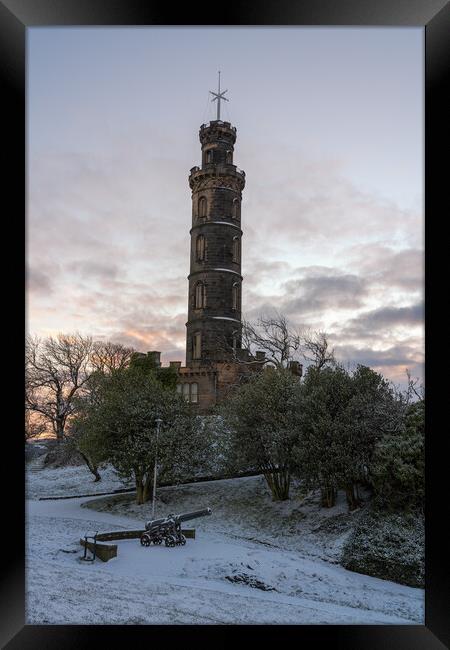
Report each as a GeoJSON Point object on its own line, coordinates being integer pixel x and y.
{"type": "Point", "coordinates": [216, 362]}
{"type": "Point", "coordinates": [215, 280]}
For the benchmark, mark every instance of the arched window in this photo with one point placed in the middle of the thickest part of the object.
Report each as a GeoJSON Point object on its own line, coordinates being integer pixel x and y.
{"type": "Point", "coordinates": [202, 206]}
{"type": "Point", "coordinates": [200, 248]}
{"type": "Point", "coordinates": [236, 296]}
{"type": "Point", "coordinates": [196, 345]}
{"type": "Point", "coordinates": [236, 212]}
{"type": "Point", "coordinates": [236, 249]}
{"type": "Point", "coordinates": [229, 157]}
{"type": "Point", "coordinates": [200, 295]}
{"type": "Point", "coordinates": [209, 156]}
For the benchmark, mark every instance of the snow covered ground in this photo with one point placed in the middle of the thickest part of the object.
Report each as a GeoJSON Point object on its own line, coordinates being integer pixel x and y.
{"type": "Point", "coordinates": [71, 480]}
{"type": "Point", "coordinates": [235, 571]}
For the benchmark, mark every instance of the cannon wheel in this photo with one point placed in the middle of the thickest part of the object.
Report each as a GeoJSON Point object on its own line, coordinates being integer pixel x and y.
{"type": "Point", "coordinates": [182, 540]}
{"type": "Point", "coordinates": [145, 540]}
{"type": "Point", "coordinates": [170, 540]}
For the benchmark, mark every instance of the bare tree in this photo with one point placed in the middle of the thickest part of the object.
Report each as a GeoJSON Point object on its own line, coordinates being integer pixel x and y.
{"type": "Point", "coordinates": [278, 343]}
{"type": "Point", "coordinates": [273, 335]}
{"type": "Point", "coordinates": [269, 340]}
{"type": "Point", "coordinates": [107, 356]}
{"type": "Point", "coordinates": [35, 425]}
{"type": "Point", "coordinates": [57, 369]}
{"type": "Point", "coordinates": [414, 389]}
{"type": "Point", "coordinates": [315, 348]}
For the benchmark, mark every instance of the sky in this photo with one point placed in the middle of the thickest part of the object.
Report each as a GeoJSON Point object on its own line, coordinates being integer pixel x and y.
{"type": "Point", "coordinates": [329, 132]}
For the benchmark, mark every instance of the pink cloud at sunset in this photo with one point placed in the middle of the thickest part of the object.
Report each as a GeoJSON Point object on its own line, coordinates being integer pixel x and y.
{"type": "Point", "coordinates": [330, 135]}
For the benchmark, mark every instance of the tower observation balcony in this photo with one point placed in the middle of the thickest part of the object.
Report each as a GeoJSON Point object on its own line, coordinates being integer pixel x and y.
{"type": "Point", "coordinates": [213, 170]}
{"type": "Point", "coordinates": [227, 125]}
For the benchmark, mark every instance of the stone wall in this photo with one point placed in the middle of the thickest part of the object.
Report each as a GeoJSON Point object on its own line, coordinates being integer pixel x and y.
{"type": "Point", "coordinates": [215, 381]}
{"type": "Point", "coordinates": [206, 378]}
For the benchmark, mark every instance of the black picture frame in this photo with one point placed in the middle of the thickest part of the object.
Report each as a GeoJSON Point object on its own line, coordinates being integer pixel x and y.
{"type": "Point", "coordinates": [434, 15]}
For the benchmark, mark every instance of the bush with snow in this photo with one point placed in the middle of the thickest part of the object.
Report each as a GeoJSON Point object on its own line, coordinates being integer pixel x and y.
{"type": "Point", "coordinates": [390, 546]}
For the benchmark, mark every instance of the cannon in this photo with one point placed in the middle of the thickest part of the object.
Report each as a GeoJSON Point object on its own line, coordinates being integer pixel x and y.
{"type": "Point", "coordinates": [168, 529]}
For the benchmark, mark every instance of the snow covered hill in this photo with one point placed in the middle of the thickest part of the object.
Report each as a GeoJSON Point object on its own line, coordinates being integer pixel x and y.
{"type": "Point", "coordinates": [69, 480]}
{"type": "Point", "coordinates": [253, 561]}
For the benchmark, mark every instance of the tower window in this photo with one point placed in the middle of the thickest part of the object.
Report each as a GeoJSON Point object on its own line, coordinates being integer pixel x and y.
{"type": "Point", "coordinates": [200, 248]}
{"type": "Point", "coordinates": [200, 296]}
{"type": "Point", "coordinates": [236, 249]}
{"type": "Point", "coordinates": [236, 298]}
{"type": "Point", "coordinates": [209, 157]}
{"type": "Point", "coordinates": [236, 212]}
{"type": "Point", "coordinates": [202, 206]}
{"type": "Point", "coordinates": [196, 345]}
{"type": "Point", "coordinates": [229, 157]}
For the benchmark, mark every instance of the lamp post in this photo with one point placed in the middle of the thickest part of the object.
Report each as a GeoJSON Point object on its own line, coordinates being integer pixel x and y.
{"type": "Point", "coordinates": [158, 425]}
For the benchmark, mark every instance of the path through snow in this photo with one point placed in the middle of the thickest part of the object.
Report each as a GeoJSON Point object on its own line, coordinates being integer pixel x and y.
{"type": "Point", "coordinates": [201, 582]}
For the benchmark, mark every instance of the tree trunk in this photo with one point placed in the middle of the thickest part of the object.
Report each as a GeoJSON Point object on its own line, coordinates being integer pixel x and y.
{"type": "Point", "coordinates": [351, 492]}
{"type": "Point", "coordinates": [139, 491]}
{"type": "Point", "coordinates": [92, 467]}
{"type": "Point", "coordinates": [147, 493]}
{"type": "Point", "coordinates": [59, 429]}
{"type": "Point", "coordinates": [328, 496]}
{"type": "Point", "coordinates": [279, 483]}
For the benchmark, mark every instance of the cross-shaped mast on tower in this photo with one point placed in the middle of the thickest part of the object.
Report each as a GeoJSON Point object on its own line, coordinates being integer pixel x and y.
{"type": "Point", "coordinates": [219, 95]}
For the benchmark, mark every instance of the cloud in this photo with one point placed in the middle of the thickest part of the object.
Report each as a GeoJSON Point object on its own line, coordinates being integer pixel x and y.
{"type": "Point", "coordinates": [38, 281]}
{"type": "Point", "coordinates": [94, 270]}
{"type": "Point", "coordinates": [109, 250]}
{"type": "Point", "coordinates": [258, 269]}
{"type": "Point", "coordinates": [383, 320]}
{"type": "Point", "coordinates": [395, 355]}
{"type": "Point", "coordinates": [101, 208]}
{"type": "Point", "coordinates": [321, 289]}
{"type": "Point", "coordinates": [161, 333]}
{"type": "Point", "coordinates": [315, 205]}
{"type": "Point", "coordinates": [388, 268]}
{"type": "Point", "coordinates": [391, 362]}
{"type": "Point", "coordinates": [315, 290]}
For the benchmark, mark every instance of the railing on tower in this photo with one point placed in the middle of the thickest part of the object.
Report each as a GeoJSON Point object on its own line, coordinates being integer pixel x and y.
{"type": "Point", "coordinates": [214, 167]}
{"type": "Point", "coordinates": [227, 124]}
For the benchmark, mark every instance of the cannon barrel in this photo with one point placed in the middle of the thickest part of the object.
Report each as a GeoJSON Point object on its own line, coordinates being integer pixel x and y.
{"type": "Point", "coordinates": [187, 516]}
{"type": "Point", "coordinates": [155, 522]}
